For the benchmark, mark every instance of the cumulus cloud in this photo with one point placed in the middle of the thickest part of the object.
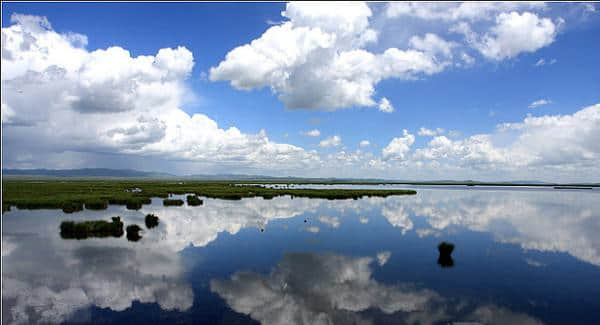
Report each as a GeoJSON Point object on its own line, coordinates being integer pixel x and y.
{"type": "Point", "coordinates": [471, 11]}
{"type": "Point", "coordinates": [540, 102]}
{"type": "Point", "coordinates": [385, 106]}
{"type": "Point", "coordinates": [555, 143]}
{"type": "Point", "coordinates": [433, 44]}
{"type": "Point", "coordinates": [512, 34]}
{"type": "Point", "coordinates": [313, 133]}
{"type": "Point", "coordinates": [399, 147]}
{"type": "Point", "coordinates": [59, 97]}
{"type": "Point", "coordinates": [364, 143]}
{"type": "Point", "coordinates": [317, 59]}
{"type": "Point", "coordinates": [425, 132]}
{"type": "Point", "coordinates": [332, 141]}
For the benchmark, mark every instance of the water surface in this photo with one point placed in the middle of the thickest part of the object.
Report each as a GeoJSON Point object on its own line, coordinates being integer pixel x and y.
{"type": "Point", "coordinates": [521, 256]}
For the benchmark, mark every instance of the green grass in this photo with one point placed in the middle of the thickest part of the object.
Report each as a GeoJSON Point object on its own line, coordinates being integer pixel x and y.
{"type": "Point", "coordinates": [171, 202]}
{"type": "Point", "coordinates": [151, 221]}
{"type": "Point", "coordinates": [193, 200]}
{"type": "Point", "coordinates": [93, 228]}
{"type": "Point", "coordinates": [96, 204]}
{"type": "Point", "coordinates": [70, 207]}
{"type": "Point", "coordinates": [97, 194]}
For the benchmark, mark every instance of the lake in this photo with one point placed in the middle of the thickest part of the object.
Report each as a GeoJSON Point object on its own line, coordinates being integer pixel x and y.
{"type": "Point", "coordinates": [523, 255]}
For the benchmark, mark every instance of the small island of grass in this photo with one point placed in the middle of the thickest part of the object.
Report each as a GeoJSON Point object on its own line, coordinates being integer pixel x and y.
{"type": "Point", "coordinates": [92, 228]}
{"type": "Point", "coordinates": [172, 202]}
{"type": "Point", "coordinates": [193, 200]}
{"type": "Point", "coordinates": [97, 204]}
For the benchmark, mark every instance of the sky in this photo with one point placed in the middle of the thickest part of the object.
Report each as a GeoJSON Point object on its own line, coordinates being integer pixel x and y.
{"type": "Point", "coordinates": [418, 91]}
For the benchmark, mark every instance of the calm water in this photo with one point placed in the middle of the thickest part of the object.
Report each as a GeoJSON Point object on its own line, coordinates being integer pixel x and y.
{"type": "Point", "coordinates": [521, 256]}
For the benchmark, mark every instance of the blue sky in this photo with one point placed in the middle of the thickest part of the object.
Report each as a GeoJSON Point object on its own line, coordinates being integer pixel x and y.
{"type": "Point", "coordinates": [467, 98]}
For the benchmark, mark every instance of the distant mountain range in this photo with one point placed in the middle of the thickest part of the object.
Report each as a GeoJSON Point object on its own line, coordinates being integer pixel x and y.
{"type": "Point", "coordinates": [131, 173]}
{"type": "Point", "coordinates": [84, 172]}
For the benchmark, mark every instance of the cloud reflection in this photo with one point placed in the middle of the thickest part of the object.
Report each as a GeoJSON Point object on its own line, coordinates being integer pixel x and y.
{"type": "Point", "coordinates": [309, 288]}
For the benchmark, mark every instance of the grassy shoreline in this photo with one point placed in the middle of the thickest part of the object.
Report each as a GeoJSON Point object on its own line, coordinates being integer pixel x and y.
{"type": "Point", "coordinates": [72, 195]}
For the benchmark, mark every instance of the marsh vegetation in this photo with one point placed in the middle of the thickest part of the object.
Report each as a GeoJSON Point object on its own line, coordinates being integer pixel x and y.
{"type": "Point", "coordinates": [73, 195]}
{"type": "Point", "coordinates": [171, 202]}
{"type": "Point", "coordinates": [193, 200]}
{"type": "Point", "coordinates": [92, 228]}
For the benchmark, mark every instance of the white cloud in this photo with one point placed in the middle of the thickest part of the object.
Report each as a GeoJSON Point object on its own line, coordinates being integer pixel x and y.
{"type": "Point", "coordinates": [320, 289]}
{"type": "Point", "coordinates": [513, 33]}
{"type": "Point", "coordinates": [399, 147]}
{"type": "Point", "coordinates": [385, 106]}
{"type": "Point", "coordinates": [589, 7]}
{"type": "Point", "coordinates": [540, 102]}
{"type": "Point", "coordinates": [332, 141]}
{"type": "Point", "coordinates": [307, 288]}
{"type": "Point", "coordinates": [433, 44]}
{"type": "Point", "coordinates": [334, 222]}
{"type": "Point", "coordinates": [59, 97]}
{"type": "Point", "coordinates": [383, 257]}
{"type": "Point", "coordinates": [363, 220]}
{"type": "Point", "coordinates": [425, 132]}
{"type": "Point", "coordinates": [313, 133]}
{"type": "Point", "coordinates": [364, 143]}
{"type": "Point", "coordinates": [450, 11]}
{"type": "Point", "coordinates": [558, 143]}
{"type": "Point", "coordinates": [542, 62]}
{"type": "Point", "coordinates": [317, 59]}
{"type": "Point", "coordinates": [313, 229]}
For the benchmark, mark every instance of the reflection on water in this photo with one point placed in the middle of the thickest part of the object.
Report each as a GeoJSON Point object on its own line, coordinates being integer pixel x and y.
{"type": "Point", "coordinates": [522, 257]}
{"type": "Point", "coordinates": [308, 288]}
{"type": "Point", "coordinates": [445, 258]}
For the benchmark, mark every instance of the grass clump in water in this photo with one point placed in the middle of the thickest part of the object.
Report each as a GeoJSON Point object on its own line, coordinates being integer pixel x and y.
{"type": "Point", "coordinates": [93, 228]}
{"type": "Point", "coordinates": [133, 232]}
{"type": "Point", "coordinates": [193, 200]}
{"type": "Point", "coordinates": [151, 221]}
{"type": "Point", "coordinates": [96, 204]}
{"type": "Point", "coordinates": [70, 207]}
{"type": "Point", "coordinates": [172, 202]}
